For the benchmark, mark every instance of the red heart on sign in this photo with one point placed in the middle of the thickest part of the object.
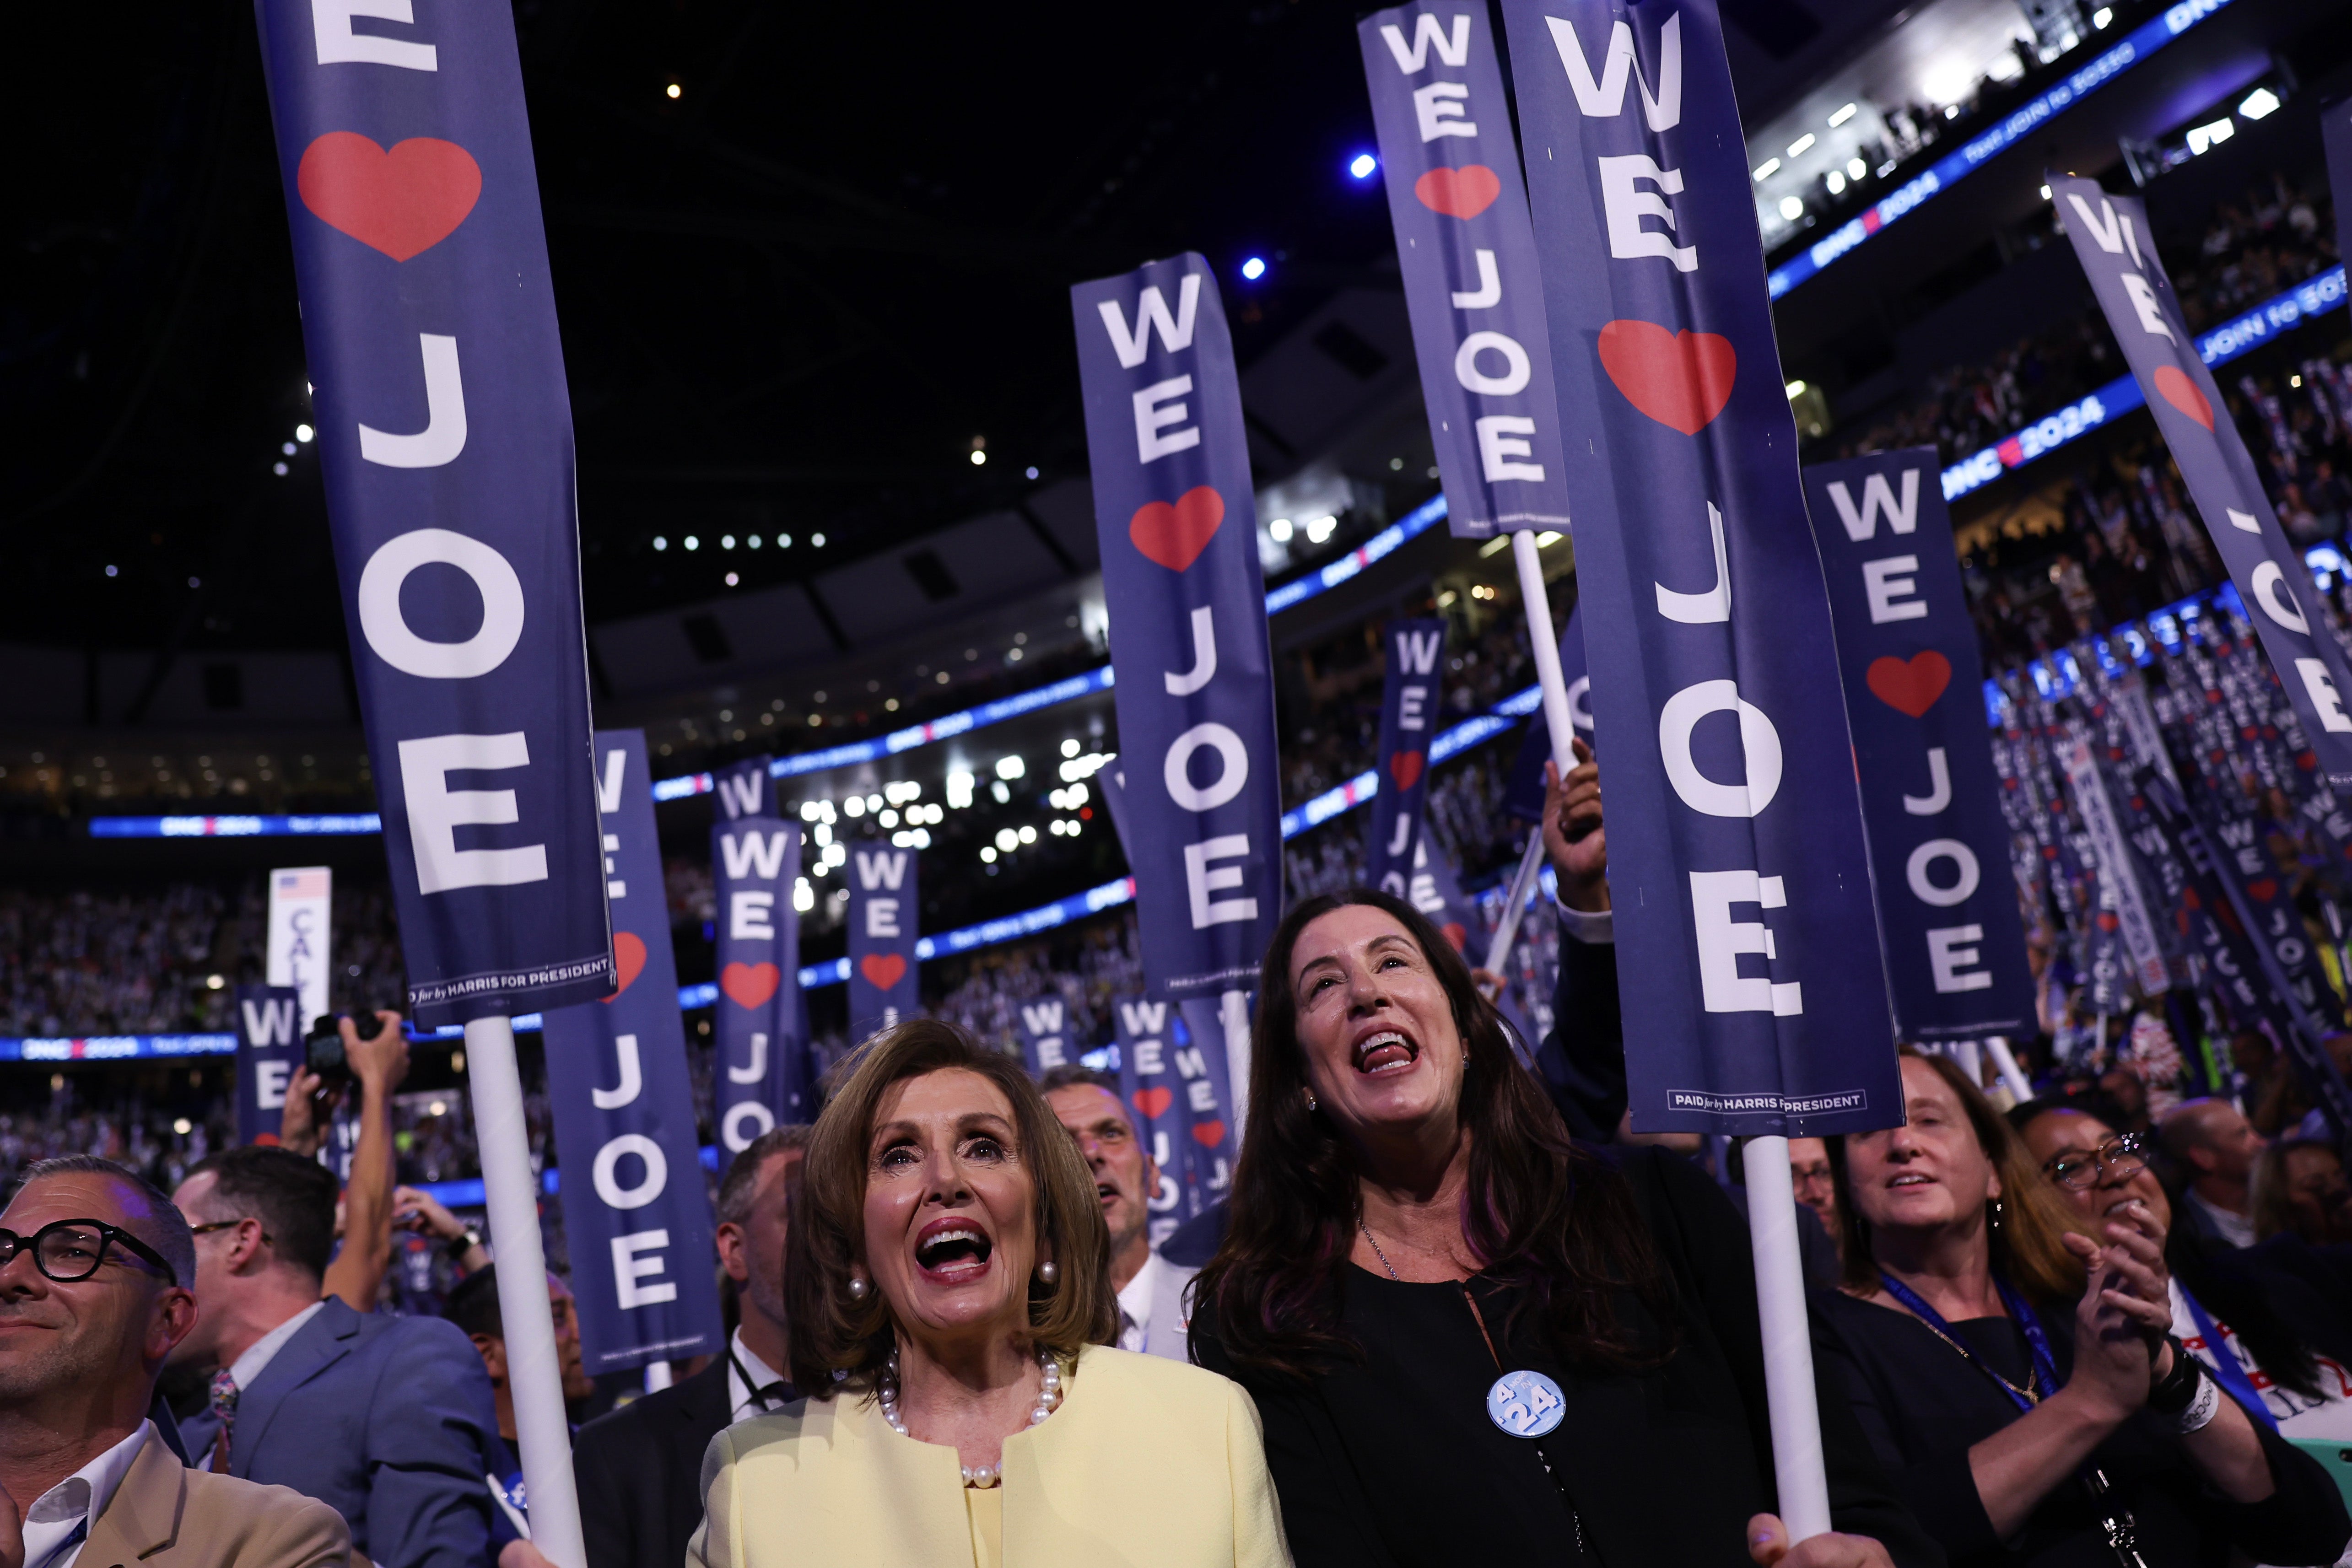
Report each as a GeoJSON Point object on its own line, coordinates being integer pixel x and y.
{"type": "Point", "coordinates": [1405, 768]}
{"type": "Point", "coordinates": [1457, 933]}
{"type": "Point", "coordinates": [748, 984]}
{"type": "Point", "coordinates": [1175, 536]}
{"type": "Point", "coordinates": [629, 956]}
{"type": "Point", "coordinates": [2107, 920]}
{"type": "Point", "coordinates": [1208, 1134]}
{"type": "Point", "coordinates": [1462, 193]}
{"type": "Point", "coordinates": [2173, 385]}
{"type": "Point", "coordinates": [2264, 889]}
{"type": "Point", "coordinates": [883, 970]}
{"type": "Point", "coordinates": [1910, 686]}
{"type": "Point", "coordinates": [1682, 379]}
{"type": "Point", "coordinates": [1153, 1102]}
{"type": "Point", "coordinates": [402, 202]}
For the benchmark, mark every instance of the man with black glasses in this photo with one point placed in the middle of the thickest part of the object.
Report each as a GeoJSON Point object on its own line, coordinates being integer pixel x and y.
{"type": "Point", "coordinates": [95, 1266]}
{"type": "Point", "coordinates": [388, 1419]}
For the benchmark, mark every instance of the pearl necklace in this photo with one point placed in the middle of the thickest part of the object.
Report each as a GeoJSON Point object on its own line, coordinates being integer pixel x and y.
{"type": "Point", "coordinates": [1049, 1399]}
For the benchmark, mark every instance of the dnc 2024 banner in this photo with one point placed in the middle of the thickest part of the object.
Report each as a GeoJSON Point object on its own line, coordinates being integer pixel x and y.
{"type": "Point", "coordinates": [1186, 604]}
{"type": "Point", "coordinates": [636, 1214]}
{"type": "Point", "coordinates": [1472, 286]}
{"type": "Point", "coordinates": [1907, 647]}
{"type": "Point", "coordinates": [445, 432]}
{"type": "Point", "coordinates": [1736, 859]}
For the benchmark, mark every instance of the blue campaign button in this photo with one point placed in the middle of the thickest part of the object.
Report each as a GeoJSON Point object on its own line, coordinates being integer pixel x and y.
{"type": "Point", "coordinates": [1525, 1404]}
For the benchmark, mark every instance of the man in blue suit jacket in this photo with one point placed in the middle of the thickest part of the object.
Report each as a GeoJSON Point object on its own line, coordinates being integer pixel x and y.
{"type": "Point", "coordinates": [387, 1419]}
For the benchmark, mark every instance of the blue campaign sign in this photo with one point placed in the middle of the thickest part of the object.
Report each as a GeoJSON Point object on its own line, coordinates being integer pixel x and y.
{"type": "Point", "coordinates": [885, 907]}
{"type": "Point", "coordinates": [1914, 692]}
{"type": "Point", "coordinates": [1201, 1032]}
{"type": "Point", "coordinates": [2112, 240]}
{"type": "Point", "coordinates": [446, 437]}
{"type": "Point", "coordinates": [1154, 1091]}
{"type": "Point", "coordinates": [636, 1212]}
{"type": "Point", "coordinates": [1177, 514]}
{"type": "Point", "coordinates": [269, 1030]}
{"type": "Point", "coordinates": [1472, 286]}
{"type": "Point", "coordinates": [1044, 1030]}
{"type": "Point", "coordinates": [1737, 863]}
{"type": "Point", "coordinates": [763, 1076]}
{"type": "Point", "coordinates": [1409, 706]}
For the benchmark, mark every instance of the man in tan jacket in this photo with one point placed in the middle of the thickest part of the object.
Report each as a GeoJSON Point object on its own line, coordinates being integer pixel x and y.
{"type": "Point", "coordinates": [93, 1269]}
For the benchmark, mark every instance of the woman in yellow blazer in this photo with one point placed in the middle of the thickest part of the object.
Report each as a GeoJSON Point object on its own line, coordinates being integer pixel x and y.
{"type": "Point", "coordinates": [946, 1275]}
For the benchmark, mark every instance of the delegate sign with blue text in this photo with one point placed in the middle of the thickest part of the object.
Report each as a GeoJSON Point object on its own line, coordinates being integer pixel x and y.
{"type": "Point", "coordinates": [1472, 286]}
{"type": "Point", "coordinates": [2113, 242]}
{"type": "Point", "coordinates": [1735, 857]}
{"type": "Point", "coordinates": [1914, 695]}
{"type": "Point", "coordinates": [268, 1049]}
{"type": "Point", "coordinates": [636, 1213]}
{"type": "Point", "coordinates": [1409, 711]}
{"type": "Point", "coordinates": [755, 861]}
{"type": "Point", "coordinates": [885, 906]}
{"type": "Point", "coordinates": [1186, 607]}
{"type": "Point", "coordinates": [445, 432]}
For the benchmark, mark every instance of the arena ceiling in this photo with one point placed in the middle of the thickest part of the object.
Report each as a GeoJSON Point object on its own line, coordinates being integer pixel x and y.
{"type": "Point", "coordinates": [804, 258]}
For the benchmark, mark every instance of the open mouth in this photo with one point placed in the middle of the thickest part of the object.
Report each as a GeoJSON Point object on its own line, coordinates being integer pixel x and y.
{"type": "Point", "coordinates": [1911, 1178]}
{"type": "Point", "coordinates": [953, 1251]}
{"type": "Point", "coordinates": [1385, 1053]}
{"type": "Point", "coordinates": [1106, 1193]}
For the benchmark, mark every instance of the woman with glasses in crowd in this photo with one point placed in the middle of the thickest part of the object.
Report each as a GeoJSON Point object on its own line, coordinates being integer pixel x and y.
{"type": "Point", "coordinates": [2262, 1335]}
{"type": "Point", "coordinates": [2017, 1379]}
{"type": "Point", "coordinates": [1471, 1339]}
{"type": "Point", "coordinates": [947, 1277]}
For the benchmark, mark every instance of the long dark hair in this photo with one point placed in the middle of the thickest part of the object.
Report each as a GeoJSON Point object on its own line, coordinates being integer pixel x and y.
{"type": "Point", "coordinates": [1543, 1213]}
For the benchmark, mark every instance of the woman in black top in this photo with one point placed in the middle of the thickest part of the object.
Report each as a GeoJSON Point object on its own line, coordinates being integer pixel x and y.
{"type": "Point", "coordinates": [1411, 1222]}
{"type": "Point", "coordinates": [1957, 1262]}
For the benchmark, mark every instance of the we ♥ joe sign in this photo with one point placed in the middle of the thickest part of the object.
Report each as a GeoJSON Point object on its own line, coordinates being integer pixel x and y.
{"type": "Point", "coordinates": [1177, 515]}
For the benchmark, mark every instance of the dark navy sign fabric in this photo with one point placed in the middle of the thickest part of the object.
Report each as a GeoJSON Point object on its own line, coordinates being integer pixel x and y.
{"type": "Point", "coordinates": [1737, 863]}
{"type": "Point", "coordinates": [446, 437]}
{"type": "Point", "coordinates": [2111, 241]}
{"type": "Point", "coordinates": [755, 861]}
{"type": "Point", "coordinates": [1186, 604]}
{"type": "Point", "coordinates": [1045, 1032]}
{"type": "Point", "coordinates": [1524, 796]}
{"type": "Point", "coordinates": [2335, 135]}
{"type": "Point", "coordinates": [635, 1210]}
{"type": "Point", "coordinates": [1471, 282]}
{"type": "Point", "coordinates": [1913, 694]}
{"type": "Point", "coordinates": [268, 1048]}
{"type": "Point", "coordinates": [1408, 705]}
{"type": "Point", "coordinates": [884, 905]}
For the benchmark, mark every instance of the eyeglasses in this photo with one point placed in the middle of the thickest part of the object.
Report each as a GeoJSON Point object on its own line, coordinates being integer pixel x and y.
{"type": "Point", "coordinates": [2126, 1155]}
{"type": "Point", "coordinates": [1819, 1176]}
{"type": "Point", "coordinates": [67, 1250]}
{"type": "Point", "coordinates": [209, 1226]}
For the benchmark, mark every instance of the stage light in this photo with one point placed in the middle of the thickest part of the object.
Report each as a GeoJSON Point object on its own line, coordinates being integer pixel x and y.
{"type": "Point", "coordinates": [1363, 166]}
{"type": "Point", "coordinates": [1835, 181]}
{"type": "Point", "coordinates": [280, 469]}
{"type": "Point", "coordinates": [1007, 840]}
{"type": "Point", "coordinates": [1321, 529]}
{"type": "Point", "coordinates": [1032, 473]}
{"type": "Point", "coordinates": [2046, 192]}
{"type": "Point", "coordinates": [660, 543]}
{"type": "Point", "coordinates": [988, 853]}
{"type": "Point", "coordinates": [2202, 138]}
{"type": "Point", "coordinates": [888, 817]}
{"type": "Point", "coordinates": [753, 541]}
{"type": "Point", "coordinates": [854, 806]}
{"type": "Point", "coordinates": [1549, 538]}
{"type": "Point", "coordinates": [1801, 145]}
{"type": "Point", "coordinates": [1011, 766]}
{"type": "Point", "coordinates": [1842, 115]}
{"type": "Point", "coordinates": [2101, 18]}
{"type": "Point", "coordinates": [1791, 208]}
{"type": "Point", "coordinates": [727, 541]}
{"type": "Point", "coordinates": [732, 580]}
{"type": "Point", "coordinates": [303, 432]}
{"type": "Point", "coordinates": [1278, 530]}
{"type": "Point", "coordinates": [183, 1127]}
{"type": "Point", "coordinates": [1028, 834]}
{"type": "Point", "coordinates": [1070, 748]}
{"type": "Point", "coordinates": [817, 541]}
{"type": "Point", "coordinates": [1855, 168]}
{"type": "Point", "coordinates": [1767, 169]}
{"type": "Point", "coordinates": [693, 543]}
{"type": "Point", "coordinates": [1795, 390]}
{"type": "Point", "coordinates": [978, 457]}
{"type": "Point", "coordinates": [110, 571]}
{"type": "Point", "coordinates": [2259, 103]}
{"type": "Point", "coordinates": [673, 90]}
{"type": "Point", "coordinates": [1254, 269]}
{"type": "Point", "coordinates": [804, 895]}
{"type": "Point", "coordinates": [784, 541]}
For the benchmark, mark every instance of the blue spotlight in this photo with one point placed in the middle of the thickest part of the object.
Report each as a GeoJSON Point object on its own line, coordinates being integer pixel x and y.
{"type": "Point", "coordinates": [1363, 166]}
{"type": "Point", "coordinates": [1254, 269]}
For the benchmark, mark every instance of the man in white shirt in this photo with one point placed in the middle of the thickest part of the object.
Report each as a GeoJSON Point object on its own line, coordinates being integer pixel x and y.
{"type": "Point", "coordinates": [78, 1359]}
{"type": "Point", "coordinates": [2217, 1149]}
{"type": "Point", "coordinates": [1152, 1318]}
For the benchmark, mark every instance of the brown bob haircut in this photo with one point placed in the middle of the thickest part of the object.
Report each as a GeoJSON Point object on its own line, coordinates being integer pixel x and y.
{"type": "Point", "coordinates": [1541, 1211]}
{"type": "Point", "coordinates": [2026, 1235]}
{"type": "Point", "coordinates": [839, 1344]}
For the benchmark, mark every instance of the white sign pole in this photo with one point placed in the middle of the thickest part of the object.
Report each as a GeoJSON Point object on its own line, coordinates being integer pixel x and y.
{"type": "Point", "coordinates": [1546, 638]}
{"type": "Point", "coordinates": [1523, 881]}
{"type": "Point", "coordinates": [533, 1373]}
{"type": "Point", "coordinates": [2011, 1074]}
{"type": "Point", "coordinates": [1788, 1338]}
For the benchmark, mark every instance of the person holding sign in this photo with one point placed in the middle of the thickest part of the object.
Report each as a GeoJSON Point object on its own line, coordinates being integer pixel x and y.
{"type": "Point", "coordinates": [1461, 1326]}
{"type": "Point", "coordinates": [947, 1275]}
{"type": "Point", "coordinates": [2020, 1381]}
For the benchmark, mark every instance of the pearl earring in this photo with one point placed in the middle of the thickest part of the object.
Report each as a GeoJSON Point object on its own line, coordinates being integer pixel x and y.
{"type": "Point", "coordinates": [1049, 1270]}
{"type": "Point", "coordinates": [858, 1288]}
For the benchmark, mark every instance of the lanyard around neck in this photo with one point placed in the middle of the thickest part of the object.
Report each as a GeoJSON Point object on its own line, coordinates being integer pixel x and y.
{"type": "Point", "coordinates": [2043, 1380]}
{"type": "Point", "coordinates": [2224, 1364]}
